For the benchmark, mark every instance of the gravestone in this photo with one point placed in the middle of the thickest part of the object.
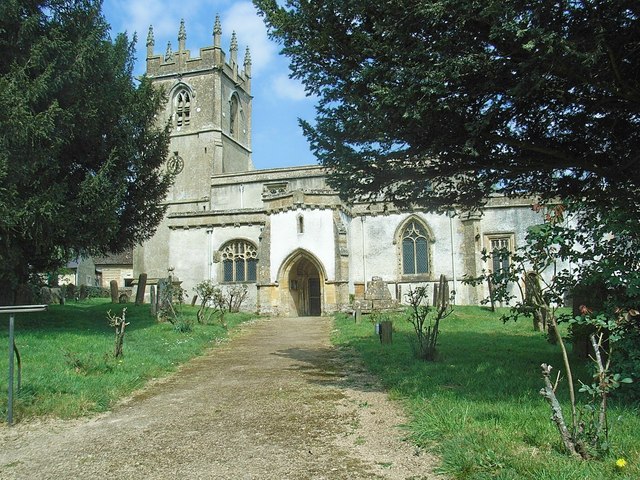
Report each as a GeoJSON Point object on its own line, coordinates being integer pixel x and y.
{"type": "Point", "coordinates": [164, 294]}
{"type": "Point", "coordinates": [114, 291]}
{"type": "Point", "coordinates": [386, 330]}
{"type": "Point", "coordinates": [45, 295]}
{"type": "Point", "coordinates": [142, 285]}
{"type": "Point", "coordinates": [441, 293]}
{"type": "Point", "coordinates": [154, 304]}
{"type": "Point", "coordinates": [535, 301]}
{"type": "Point", "coordinates": [377, 297]}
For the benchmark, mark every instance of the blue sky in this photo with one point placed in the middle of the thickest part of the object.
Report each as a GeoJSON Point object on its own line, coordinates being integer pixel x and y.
{"type": "Point", "coordinates": [278, 101]}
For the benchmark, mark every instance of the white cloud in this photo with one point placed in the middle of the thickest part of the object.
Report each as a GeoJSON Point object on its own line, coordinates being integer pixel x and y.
{"type": "Point", "coordinates": [287, 88]}
{"type": "Point", "coordinates": [137, 15]}
{"type": "Point", "coordinates": [199, 16]}
{"type": "Point", "coordinates": [250, 29]}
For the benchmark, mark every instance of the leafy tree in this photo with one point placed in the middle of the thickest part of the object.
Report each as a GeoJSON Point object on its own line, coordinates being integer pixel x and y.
{"type": "Point", "coordinates": [442, 102]}
{"type": "Point", "coordinates": [80, 152]}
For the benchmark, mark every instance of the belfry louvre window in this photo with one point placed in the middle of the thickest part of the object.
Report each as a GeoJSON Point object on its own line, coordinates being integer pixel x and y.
{"type": "Point", "coordinates": [239, 261]}
{"type": "Point", "coordinates": [234, 116]}
{"type": "Point", "coordinates": [182, 104]}
{"type": "Point", "coordinates": [415, 249]}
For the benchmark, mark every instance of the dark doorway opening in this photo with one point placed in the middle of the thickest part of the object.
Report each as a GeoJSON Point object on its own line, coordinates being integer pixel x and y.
{"type": "Point", "coordinates": [315, 304]}
{"type": "Point", "coordinates": [305, 287]}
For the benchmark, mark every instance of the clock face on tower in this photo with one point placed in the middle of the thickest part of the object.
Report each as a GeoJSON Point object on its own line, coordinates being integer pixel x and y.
{"type": "Point", "coordinates": [175, 164]}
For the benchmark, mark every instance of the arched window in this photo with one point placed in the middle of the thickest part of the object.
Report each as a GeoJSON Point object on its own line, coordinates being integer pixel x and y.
{"type": "Point", "coordinates": [239, 261]}
{"type": "Point", "coordinates": [415, 249]}
{"type": "Point", "coordinates": [182, 107]}
{"type": "Point", "coordinates": [234, 123]}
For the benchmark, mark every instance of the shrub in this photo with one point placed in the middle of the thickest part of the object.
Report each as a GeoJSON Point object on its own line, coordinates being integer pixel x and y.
{"type": "Point", "coordinates": [183, 324]}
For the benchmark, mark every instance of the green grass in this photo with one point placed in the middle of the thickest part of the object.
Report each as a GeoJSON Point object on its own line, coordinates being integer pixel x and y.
{"type": "Point", "coordinates": [68, 368]}
{"type": "Point", "coordinates": [478, 405]}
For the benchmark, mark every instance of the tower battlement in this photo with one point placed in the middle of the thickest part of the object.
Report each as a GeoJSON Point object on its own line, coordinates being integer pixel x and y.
{"type": "Point", "coordinates": [211, 58]}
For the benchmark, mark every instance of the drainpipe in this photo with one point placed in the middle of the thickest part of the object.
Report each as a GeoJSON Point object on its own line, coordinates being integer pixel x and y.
{"type": "Point", "coordinates": [364, 265]}
{"type": "Point", "coordinates": [450, 214]}
{"type": "Point", "coordinates": [210, 252]}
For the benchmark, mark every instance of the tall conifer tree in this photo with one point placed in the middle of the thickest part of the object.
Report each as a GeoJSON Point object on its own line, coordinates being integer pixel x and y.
{"type": "Point", "coordinates": [80, 149]}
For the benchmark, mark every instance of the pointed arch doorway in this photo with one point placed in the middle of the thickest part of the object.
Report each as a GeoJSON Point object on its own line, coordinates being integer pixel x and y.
{"type": "Point", "coordinates": [302, 277]}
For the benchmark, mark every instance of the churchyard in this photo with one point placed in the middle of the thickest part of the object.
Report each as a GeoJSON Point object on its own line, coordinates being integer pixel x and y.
{"type": "Point", "coordinates": [68, 364]}
{"type": "Point", "coordinates": [477, 406]}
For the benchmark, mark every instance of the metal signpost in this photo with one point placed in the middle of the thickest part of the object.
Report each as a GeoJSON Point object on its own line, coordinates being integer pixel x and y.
{"type": "Point", "coordinates": [12, 310]}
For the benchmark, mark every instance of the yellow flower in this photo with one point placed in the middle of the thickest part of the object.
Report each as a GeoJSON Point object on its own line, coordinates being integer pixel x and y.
{"type": "Point", "coordinates": [621, 463]}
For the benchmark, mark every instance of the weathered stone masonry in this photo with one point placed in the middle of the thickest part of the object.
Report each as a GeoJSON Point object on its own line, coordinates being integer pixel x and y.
{"type": "Point", "coordinates": [283, 232]}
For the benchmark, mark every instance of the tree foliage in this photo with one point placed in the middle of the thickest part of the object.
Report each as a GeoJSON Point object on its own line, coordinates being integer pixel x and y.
{"type": "Point", "coordinates": [80, 152]}
{"type": "Point", "coordinates": [442, 102]}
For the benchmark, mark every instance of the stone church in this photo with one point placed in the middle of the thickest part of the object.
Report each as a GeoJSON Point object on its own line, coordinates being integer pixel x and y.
{"type": "Point", "coordinates": [283, 232]}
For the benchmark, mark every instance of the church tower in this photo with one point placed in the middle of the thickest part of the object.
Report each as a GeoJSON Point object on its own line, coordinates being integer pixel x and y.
{"type": "Point", "coordinates": [209, 110]}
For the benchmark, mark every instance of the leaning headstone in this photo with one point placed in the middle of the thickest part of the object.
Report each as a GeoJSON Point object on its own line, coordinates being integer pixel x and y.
{"type": "Point", "coordinates": [164, 296]}
{"type": "Point", "coordinates": [194, 300]}
{"type": "Point", "coordinates": [534, 300]}
{"type": "Point", "coordinates": [358, 315]}
{"type": "Point", "coordinates": [161, 290]}
{"type": "Point", "coordinates": [45, 295]}
{"type": "Point", "coordinates": [152, 294]}
{"type": "Point", "coordinates": [114, 291]}
{"type": "Point", "coordinates": [441, 293]}
{"type": "Point", "coordinates": [142, 285]}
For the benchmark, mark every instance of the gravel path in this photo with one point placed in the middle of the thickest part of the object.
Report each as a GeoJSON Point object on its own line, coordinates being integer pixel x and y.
{"type": "Point", "coordinates": [275, 402]}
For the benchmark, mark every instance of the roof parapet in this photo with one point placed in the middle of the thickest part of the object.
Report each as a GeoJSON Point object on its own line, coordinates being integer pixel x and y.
{"type": "Point", "coordinates": [212, 57]}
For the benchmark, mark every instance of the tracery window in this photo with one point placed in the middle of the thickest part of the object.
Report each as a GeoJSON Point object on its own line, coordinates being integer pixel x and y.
{"type": "Point", "coordinates": [182, 107]}
{"type": "Point", "coordinates": [415, 249]}
{"type": "Point", "coordinates": [239, 261]}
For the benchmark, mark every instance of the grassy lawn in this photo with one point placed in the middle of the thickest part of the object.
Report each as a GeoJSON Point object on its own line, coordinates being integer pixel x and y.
{"type": "Point", "coordinates": [478, 405]}
{"type": "Point", "coordinates": [68, 368]}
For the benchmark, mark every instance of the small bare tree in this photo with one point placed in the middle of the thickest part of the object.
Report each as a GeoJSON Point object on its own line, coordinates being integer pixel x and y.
{"type": "Point", "coordinates": [119, 323]}
{"type": "Point", "coordinates": [206, 291]}
{"type": "Point", "coordinates": [426, 319]}
{"type": "Point", "coordinates": [235, 295]}
{"type": "Point", "coordinates": [219, 300]}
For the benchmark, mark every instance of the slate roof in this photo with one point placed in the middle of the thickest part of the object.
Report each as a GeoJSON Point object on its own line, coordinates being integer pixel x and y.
{"type": "Point", "coordinates": [124, 258]}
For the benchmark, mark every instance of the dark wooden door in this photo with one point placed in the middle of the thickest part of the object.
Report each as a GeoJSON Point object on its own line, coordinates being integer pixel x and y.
{"type": "Point", "coordinates": [315, 304]}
